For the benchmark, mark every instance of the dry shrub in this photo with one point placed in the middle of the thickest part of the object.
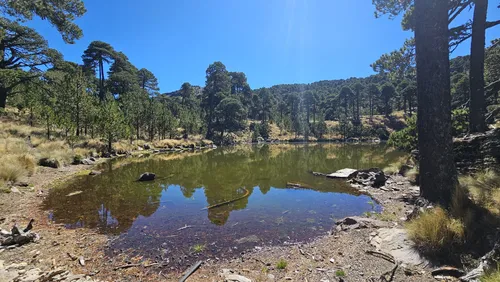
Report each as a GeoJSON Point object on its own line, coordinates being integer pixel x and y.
{"type": "Point", "coordinates": [435, 232]}
{"type": "Point", "coordinates": [122, 147]}
{"type": "Point", "coordinates": [29, 163]}
{"type": "Point", "coordinates": [95, 145]}
{"type": "Point", "coordinates": [492, 277]}
{"type": "Point", "coordinates": [13, 146]}
{"type": "Point", "coordinates": [11, 168]}
{"type": "Point", "coordinates": [56, 150]}
{"type": "Point", "coordinates": [393, 168]}
{"type": "Point", "coordinates": [484, 188]}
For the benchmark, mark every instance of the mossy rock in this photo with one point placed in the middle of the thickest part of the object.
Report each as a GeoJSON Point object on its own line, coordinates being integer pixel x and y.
{"type": "Point", "coordinates": [50, 162]}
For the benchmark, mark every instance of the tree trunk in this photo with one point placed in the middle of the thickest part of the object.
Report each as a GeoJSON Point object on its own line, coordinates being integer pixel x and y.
{"type": "Point", "coordinates": [371, 107]}
{"type": "Point", "coordinates": [404, 105]}
{"type": "Point", "coordinates": [409, 107]}
{"type": "Point", "coordinates": [3, 98]}
{"type": "Point", "coordinates": [476, 75]}
{"type": "Point", "coordinates": [110, 144]}
{"type": "Point", "coordinates": [438, 178]}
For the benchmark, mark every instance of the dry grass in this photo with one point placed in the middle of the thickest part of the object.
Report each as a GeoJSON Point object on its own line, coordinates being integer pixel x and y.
{"type": "Point", "coordinates": [56, 150]}
{"type": "Point", "coordinates": [392, 169]}
{"type": "Point", "coordinates": [12, 167]}
{"type": "Point", "coordinates": [122, 147]}
{"type": "Point", "coordinates": [412, 174]}
{"type": "Point", "coordinates": [484, 188]}
{"type": "Point", "coordinates": [435, 232]}
{"type": "Point", "coordinates": [492, 277]}
{"type": "Point", "coordinates": [13, 145]}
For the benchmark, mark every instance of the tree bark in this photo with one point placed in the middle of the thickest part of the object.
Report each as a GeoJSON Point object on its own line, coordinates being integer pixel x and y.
{"type": "Point", "coordinates": [476, 75]}
{"type": "Point", "coordinates": [3, 97]}
{"type": "Point", "coordinates": [438, 178]}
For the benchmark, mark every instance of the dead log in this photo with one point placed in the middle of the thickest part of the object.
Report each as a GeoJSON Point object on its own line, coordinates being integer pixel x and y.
{"type": "Point", "coordinates": [190, 271]}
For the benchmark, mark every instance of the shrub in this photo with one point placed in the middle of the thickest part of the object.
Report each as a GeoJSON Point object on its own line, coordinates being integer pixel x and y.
{"type": "Point", "coordinates": [54, 153]}
{"type": "Point", "coordinates": [13, 146]}
{"type": "Point", "coordinates": [435, 232]}
{"type": "Point", "coordinates": [492, 277]}
{"type": "Point", "coordinates": [282, 264]}
{"type": "Point", "coordinates": [460, 121]}
{"type": "Point", "coordinates": [28, 162]}
{"type": "Point", "coordinates": [11, 169]}
{"type": "Point", "coordinates": [405, 139]}
{"type": "Point", "coordinates": [484, 188]}
{"type": "Point", "coordinates": [264, 130]}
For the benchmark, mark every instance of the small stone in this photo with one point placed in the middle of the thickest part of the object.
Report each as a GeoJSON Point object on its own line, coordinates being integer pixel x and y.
{"type": "Point", "coordinates": [288, 278]}
{"type": "Point", "coordinates": [236, 278]}
{"type": "Point", "coordinates": [270, 277]}
{"type": "Point", "coordinates": [15, 190]}
{"type": "Point", "coordinates": [21, 265]}
{"type": "Point", "coordinates": [332, 260]}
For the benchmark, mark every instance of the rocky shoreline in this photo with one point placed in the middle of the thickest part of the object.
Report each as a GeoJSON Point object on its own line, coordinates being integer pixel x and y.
{"type": "Point", "coordinates": [350, 252]}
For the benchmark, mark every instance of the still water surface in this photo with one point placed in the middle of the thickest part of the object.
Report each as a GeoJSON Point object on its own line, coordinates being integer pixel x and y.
{"type": "Point", "coordinates": [165, 218]}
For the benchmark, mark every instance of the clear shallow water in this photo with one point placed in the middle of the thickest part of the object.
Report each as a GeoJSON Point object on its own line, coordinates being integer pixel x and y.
{"type": "Point", "coordinates": [147, 216]}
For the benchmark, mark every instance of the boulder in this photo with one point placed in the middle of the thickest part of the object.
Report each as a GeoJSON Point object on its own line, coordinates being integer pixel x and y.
{"type": "Point", "coordinates": [147, 176]}
{"type": "Point", "coordinates": [49, 162]}
{"type": "Point", "coordinates": [87, 162]}
{"type": "Point", "coordinates": [343, 173]}
{"type": "Point", "coordinates": [477, 151]}
{"type": "Point", "coordinates": [356, 222]}
{"type": "Point", "coordinates": [374, 177]}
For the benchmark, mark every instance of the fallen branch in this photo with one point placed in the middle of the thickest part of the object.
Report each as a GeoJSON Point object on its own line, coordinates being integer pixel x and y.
{"type": "Point", "coordinates": [381, 255]}
{"type": "Point", "coordinates": [392, 272]}
{"type": "Point", "coordinates": [190, 271]}
{"type": "Point", "coordinates": [228, 202]}
{"type": "Point", "coordinates": [317, 173]}
{"type": "Point", "coordinates": [184, 227]}
{"type": "Point", "coordinates": [127, 266]}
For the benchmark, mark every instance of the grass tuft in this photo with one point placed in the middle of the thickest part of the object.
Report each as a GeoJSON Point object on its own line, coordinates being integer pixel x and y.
{"type": "Point", "coordinates": [11, 169]}
{"type": "Point", "coordinates": [340, 273]}
{"type": "Point", "coordinates": [198, 248]}
{"type": "Point", "coordinates": [282, 264]}
{"type": "Point", "coordinates": [435, 232]}
{"type": "Point", "coordinates": [492, 277]}
{"type": "Point", "coordinates": [484, 188]}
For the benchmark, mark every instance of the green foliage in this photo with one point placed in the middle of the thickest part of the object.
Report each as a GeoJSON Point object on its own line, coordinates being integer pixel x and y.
{"type": "Point", "coordinates": [198, 248]}
{"type": "Point", "coordinates": [264, 130]}
{"type": "Point", "coordinates": [282, 264]}
{"type": "Point", "coordinates": [405, 139]}
{"type": "Point", "coordinates": [340, 273]}
{"type": "Point", "coordinates": [491, 277]}
{"type": "Point", "coordinates": [60, 13]}
{"type": "Point", "coordinates": [460, 121]}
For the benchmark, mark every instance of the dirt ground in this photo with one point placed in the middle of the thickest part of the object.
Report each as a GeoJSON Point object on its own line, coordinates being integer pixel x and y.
{"type": "Point", "coordinates": [340, 256]}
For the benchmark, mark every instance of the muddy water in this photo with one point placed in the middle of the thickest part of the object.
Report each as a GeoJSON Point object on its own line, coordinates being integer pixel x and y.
{"type": "Point", "coordinates": [165, 220]}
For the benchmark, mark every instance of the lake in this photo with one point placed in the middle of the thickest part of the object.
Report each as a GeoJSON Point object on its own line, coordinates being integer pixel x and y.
{"type": "Point", "coordinates": [166, 219]}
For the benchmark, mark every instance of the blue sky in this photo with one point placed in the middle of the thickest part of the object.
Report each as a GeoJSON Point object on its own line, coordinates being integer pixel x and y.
{"type": "Point", "coordinates": [271, 41]}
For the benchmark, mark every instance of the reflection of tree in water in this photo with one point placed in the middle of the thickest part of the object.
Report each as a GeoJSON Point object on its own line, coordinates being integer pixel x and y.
{"type": "Point", "coordinates": [113, 200]}
{"type": "Point", "coordinates": [110, 202]}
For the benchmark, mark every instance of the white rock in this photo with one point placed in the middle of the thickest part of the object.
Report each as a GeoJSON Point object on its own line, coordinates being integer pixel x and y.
{"type": "Point", "coordinates": [236, 278]}
{"type": "Point", "coordinates": [21, 265]}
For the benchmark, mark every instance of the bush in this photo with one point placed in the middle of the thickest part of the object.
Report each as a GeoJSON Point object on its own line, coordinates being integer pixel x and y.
{"type": "Point", "coordinates": [460, 121]}
{"type": "Point", "coordinates": [28, 162]}
{"type": "Point", "coordinates": [484, 188]}
{"type": "Point", "coordinates": [11, 170]}
{"type": "Point", "coordinates": [54, 153]}
{"type": "Point", "coordinates": [435, 232]}
{"type": "Point", "coordinates": [492, 277]}
{"type": "Point", "coordinates": [405, 139]}
{"type": "Point", "coordinates": [265, 130]}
